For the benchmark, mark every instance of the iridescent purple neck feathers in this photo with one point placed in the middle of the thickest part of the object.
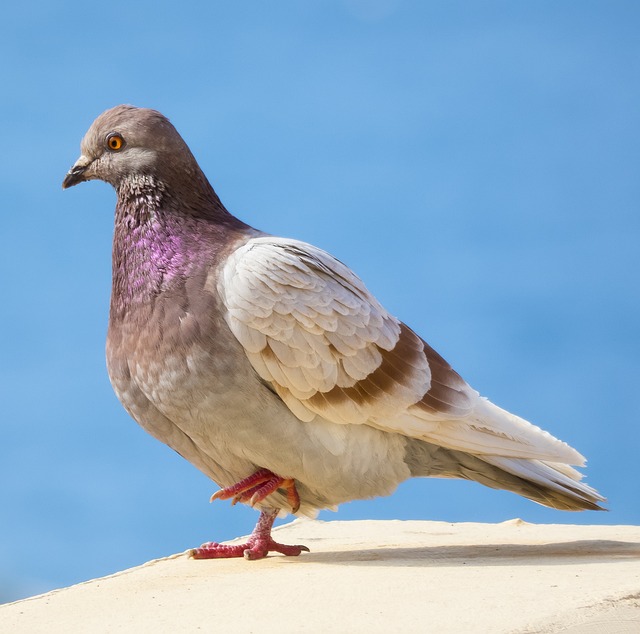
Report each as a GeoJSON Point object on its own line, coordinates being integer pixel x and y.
{"type": "Point", "coordinates": [159, 242]}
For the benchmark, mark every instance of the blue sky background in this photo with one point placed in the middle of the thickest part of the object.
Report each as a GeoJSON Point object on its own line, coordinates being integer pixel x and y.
{"type": "Point", "coordinates": [475, 162]}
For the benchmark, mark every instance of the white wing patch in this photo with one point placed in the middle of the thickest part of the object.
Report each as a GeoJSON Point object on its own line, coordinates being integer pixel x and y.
{"type": "Point", "coordinates": [311, 328]}
{"type": "Point", "coordinates": [313, 331]}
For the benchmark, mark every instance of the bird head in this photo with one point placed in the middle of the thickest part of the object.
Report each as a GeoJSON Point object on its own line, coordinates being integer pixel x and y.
{"type": "Point", "coordinates": [126, 142]}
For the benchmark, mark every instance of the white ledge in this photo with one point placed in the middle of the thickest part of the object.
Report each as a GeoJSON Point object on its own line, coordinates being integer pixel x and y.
{"type": "Point", "coordinates": [370, 576]}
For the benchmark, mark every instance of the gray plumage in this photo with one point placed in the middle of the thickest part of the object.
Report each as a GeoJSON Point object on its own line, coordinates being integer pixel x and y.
{"type": "Point", "coordinates": [244, 351]}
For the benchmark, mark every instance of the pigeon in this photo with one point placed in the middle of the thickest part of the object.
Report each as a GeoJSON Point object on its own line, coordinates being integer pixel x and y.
{"type": "Point", "coordinates": [267, 364]}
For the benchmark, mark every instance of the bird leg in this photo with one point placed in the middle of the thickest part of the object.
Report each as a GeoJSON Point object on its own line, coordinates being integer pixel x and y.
{"type": "Point", "coordinates": [257, 487]}
{"type": "Point", "coordinates": [253, 490]}
{"type": "Point", "coordinates": [259, 544]}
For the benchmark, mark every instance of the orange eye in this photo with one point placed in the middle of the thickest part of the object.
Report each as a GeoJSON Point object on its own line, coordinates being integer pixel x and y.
{"type": "Point", "coordinates": [115, 142]}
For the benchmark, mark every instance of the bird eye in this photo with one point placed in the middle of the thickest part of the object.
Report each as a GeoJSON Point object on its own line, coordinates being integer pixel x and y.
{"type": "Point", "coordinates": [115, 142]}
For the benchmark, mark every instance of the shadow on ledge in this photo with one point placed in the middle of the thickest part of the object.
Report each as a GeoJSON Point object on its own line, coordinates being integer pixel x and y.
{"type": "Point", "coordinates": [582, 552]}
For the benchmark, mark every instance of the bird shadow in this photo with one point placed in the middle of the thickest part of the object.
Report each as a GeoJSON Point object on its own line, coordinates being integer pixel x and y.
{"type": "Point", "coordinates": [581, 551]}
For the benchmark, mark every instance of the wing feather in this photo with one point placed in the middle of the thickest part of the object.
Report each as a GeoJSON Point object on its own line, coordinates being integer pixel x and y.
{"type": "Point", "coordinates": [313, 331]}
{"type": "Point", "coordinates": [311, 328]}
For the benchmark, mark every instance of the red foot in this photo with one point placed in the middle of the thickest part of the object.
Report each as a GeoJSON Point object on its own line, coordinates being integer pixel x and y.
{"type": "Point", "coordinates": [257, 487]}
{"type": "Point", "coordinates": [259, 544]}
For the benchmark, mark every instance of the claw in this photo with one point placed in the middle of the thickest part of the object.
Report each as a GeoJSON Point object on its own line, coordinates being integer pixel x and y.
{"type": "Point", "coordinates": [235, 490]}
{"type": "Point", "coordinates": [257, 487]}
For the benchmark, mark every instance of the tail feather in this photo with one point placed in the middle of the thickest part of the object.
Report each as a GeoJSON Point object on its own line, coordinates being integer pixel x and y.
{"type": "Point", "coordinates": [556, 485]}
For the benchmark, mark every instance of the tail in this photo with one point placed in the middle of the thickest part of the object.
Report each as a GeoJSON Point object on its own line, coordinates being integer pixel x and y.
{"type": "Point", "coordinates": [500, 450]}
{"type": "Point", "coordinates": [551, 484]}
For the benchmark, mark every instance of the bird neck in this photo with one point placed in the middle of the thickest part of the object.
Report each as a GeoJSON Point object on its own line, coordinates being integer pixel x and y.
{"type": "Point", "coordinates": [158, 242]}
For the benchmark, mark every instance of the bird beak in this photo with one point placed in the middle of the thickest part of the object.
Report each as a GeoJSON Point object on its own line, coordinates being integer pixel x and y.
{"type": "Point", "coordinates": [77, 174]}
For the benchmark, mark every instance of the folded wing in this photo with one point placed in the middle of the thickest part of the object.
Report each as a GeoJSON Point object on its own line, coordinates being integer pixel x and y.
{"type": "Point", "coordinates": [312, 330]}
